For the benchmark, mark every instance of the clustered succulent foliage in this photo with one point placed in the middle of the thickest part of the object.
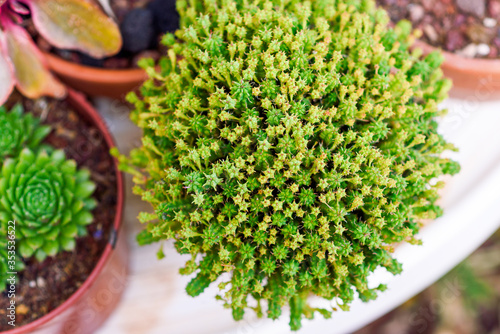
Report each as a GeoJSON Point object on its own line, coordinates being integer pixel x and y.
{"type": "Point", "coordinates": [18, 131]}
{"type": "Point", "coordinates": [43, 192]}
{"type": "Point", "coordinates": [290, 144]}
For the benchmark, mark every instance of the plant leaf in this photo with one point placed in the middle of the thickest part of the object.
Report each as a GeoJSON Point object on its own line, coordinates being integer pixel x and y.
{"type": "Point", "coordinates": [33, 79]}
{"type": "Point", "coordinates": [6, 73]}
{"type": "Point", "coordinates": [76, 24]}
{"type": "Point", "coordinates": [18, 8]}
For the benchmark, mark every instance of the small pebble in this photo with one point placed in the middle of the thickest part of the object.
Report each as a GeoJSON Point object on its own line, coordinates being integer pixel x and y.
{"type": "Point", "coordinates": [428, 4]}
{"type": "Point", "coordinates": [32, 284]}
{"type": "Point", "coordinates": [459, 20]}
{"type": "Point", "coordinates": [483, 49]}
{"type": "Point", "coordinates": [430, 32]}
{"type": "Point", "coordinates": [494, 8]}
{"type": "Point", "coordinates": [454, 40]}
{"type": "Point", "coordinates": [22, 309]}
{"type": "Point", "coordinates": [493, 52]}
{"type": "Point", "coordinates": [480, 34]}
{"type": "Point", "coordinates": [41, 282]}
{"type": "Point", "coordinates": [439, 9]}
{"type": "Point", "coordinates": [417, 12]}
{"type": "Point", "coordinates": [470, 51]}
{"type": "Point", "coordinates": [475, 7]}
{"type": "Point", "coordinates": [488, 22]}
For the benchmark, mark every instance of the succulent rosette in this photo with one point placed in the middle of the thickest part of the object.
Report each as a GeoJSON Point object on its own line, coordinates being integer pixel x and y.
{"type": "Point", "coordinates": [19, 130]}
{"type": "Point", "coordinates": [49, 199]}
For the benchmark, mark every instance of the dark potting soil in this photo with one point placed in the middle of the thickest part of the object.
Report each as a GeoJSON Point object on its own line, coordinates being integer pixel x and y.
{"type": "Point", "coordinates": [142, 25]}
{"type": "Point", "coordinates": [470, 28]}
{"type": "Point", "coordinates": [44, 286]}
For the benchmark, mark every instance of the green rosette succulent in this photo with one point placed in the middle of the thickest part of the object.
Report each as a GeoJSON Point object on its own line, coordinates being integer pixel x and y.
{"type": "Point", "coordinates": [19, 130]}
{"type": "Point", "coordinates": [49, 199]}
{"type": "Point", "coordinates": [290, 145]}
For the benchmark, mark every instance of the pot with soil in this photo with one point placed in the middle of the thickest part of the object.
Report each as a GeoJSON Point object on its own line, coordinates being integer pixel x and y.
{"type": "Point", "coordinates": [468, 32]}
{"type": "Point", "coordinates": [142, 23]}
{"type": "Point", "coordinates": [71, 265]}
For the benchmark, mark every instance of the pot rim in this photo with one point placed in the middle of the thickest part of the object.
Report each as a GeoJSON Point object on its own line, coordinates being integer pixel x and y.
{"type": "Point", "coordinates": [78, 99]}
{"type": "Point", "coordinates": [94, 74]}
{"type": "Point", "coordinates": [481, 66]}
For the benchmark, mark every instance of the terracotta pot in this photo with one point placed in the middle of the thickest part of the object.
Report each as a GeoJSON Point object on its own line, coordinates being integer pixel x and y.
{"type": "Point", "coordinates": [96, 81]}
{"type": "Point", "coordinates": [473, 79]}
{"type": "Point", "coordinates": [93, 302]}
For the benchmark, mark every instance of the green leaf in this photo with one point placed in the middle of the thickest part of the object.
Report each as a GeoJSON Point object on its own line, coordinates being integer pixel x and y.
{"type": "Point", "coordinates": [70, 231]}
{"type": "Point", "coordinates": [197, 285]}
{"type": "Point", "coordinates": [24, 249]}
{"type": "Point", "coordinates": [35, 241]}
{"type": "Point", "coordinates": [67, 244]}
{"type": "Point", "coordinates": [50, 247]}
{"type": "Point", "coordinates": [40, 255]}
{"type": "Point", "coordinates": [84, 189]}
{"type": "Point", "coordinates": [83, 218]}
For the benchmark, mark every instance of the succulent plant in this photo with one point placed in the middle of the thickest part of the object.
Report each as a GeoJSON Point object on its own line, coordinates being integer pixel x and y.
{"type": "Point", "coordinates": [18, 131]}
{"type": "Point", "coordinates": [49, 199]}
{"type": "Point", "coordinates": [9, 260]}
{"type": "Point", "coordinates": [66, 24]}
{"type": "Point", "coordinates": [290, 144]}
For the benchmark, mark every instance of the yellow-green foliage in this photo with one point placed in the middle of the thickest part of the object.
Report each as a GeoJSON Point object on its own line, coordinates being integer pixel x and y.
{"type": "Point", "coordinates": [290, 144]}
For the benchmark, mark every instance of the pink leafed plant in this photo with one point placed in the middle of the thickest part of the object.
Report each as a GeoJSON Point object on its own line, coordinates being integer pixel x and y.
{"type": "Point", "coordinates": [66, 24]}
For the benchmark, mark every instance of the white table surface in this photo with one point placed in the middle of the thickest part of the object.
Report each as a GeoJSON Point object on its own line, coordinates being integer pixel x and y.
{"type": "Point", "coordinates": [155, 301]}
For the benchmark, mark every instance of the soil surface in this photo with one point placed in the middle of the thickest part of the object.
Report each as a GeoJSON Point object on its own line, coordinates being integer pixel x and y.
{"type": "Point", "coordinates": [44, 286]}
{"type": "Point", "coordinates": [470, 28]}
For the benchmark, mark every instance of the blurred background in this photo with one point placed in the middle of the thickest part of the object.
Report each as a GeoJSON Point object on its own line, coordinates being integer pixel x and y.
{"type": "Point", "coordinates": [464, 301]}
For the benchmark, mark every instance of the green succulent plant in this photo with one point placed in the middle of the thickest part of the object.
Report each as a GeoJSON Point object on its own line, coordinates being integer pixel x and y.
{"type": "Point", "coordinates": [290, 144]}
{"type": "Point", "coordinates": [49, 199]}
{"type": "Point", "coordinates": [19, 130]}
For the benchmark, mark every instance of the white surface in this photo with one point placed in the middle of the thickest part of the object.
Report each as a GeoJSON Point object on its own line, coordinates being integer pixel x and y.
{"type": "Point", "coordinates": [155, 301]}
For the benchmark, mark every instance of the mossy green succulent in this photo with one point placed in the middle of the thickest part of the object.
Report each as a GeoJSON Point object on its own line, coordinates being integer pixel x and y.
{"type": "Point", "coordinates": [48, 198]}
{"type": "Point", "coordinates": [19, 130]}
{"type": "Point", "coordinates": [290, 144]}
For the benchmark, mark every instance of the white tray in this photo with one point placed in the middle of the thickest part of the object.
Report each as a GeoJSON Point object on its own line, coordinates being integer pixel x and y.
{"type": "Point", "coordinates": [155, 301]}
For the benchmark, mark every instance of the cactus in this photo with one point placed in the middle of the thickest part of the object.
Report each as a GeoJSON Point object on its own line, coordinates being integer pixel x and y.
{"type": "Point", "coordinates": [290, 144]}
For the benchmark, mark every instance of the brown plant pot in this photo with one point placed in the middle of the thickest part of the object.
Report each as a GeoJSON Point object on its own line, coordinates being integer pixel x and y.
{"type": "Point", "coordinates": [96, 81]}
{"type": "Point", "coordinates": [97, 297]}
{"type": "Point", "coordinates": [473, 79]}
